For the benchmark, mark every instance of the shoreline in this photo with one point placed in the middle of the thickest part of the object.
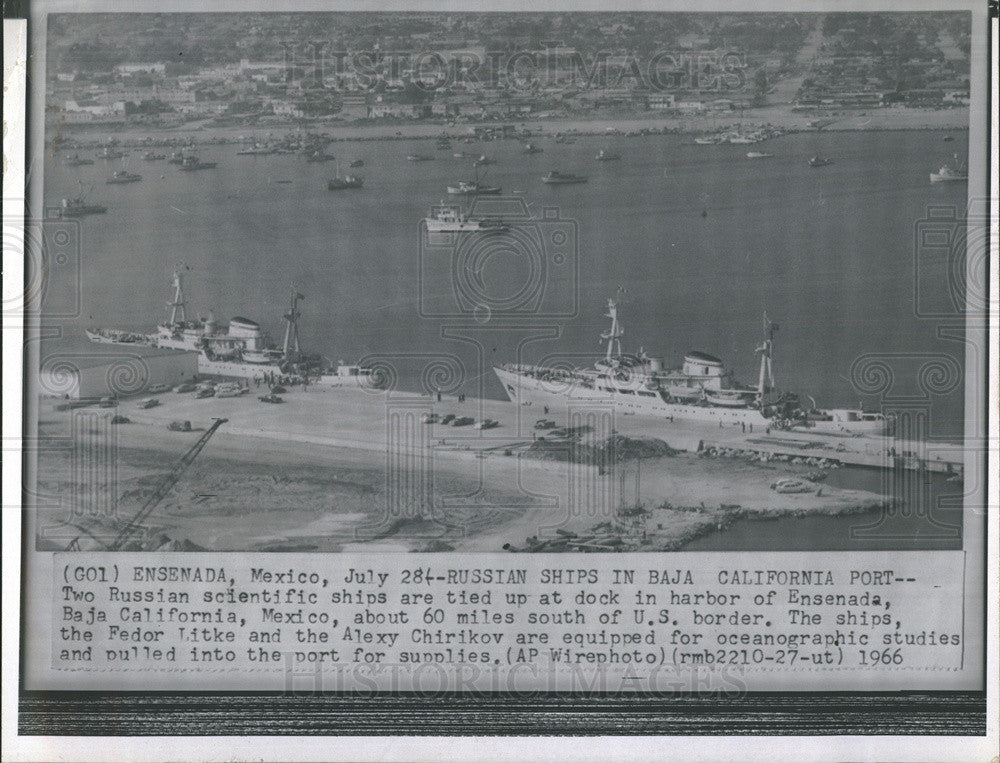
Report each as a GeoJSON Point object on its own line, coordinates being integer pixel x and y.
{"type": "Point", "coordinates": [777, 118]}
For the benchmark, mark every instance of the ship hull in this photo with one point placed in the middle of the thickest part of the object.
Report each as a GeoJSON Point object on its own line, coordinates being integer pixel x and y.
{"type": "Point", "coordinates": [434, 226]}
{"type": "Point", "coordinates": [217, 367]}
{"type": "Point", "coordinates": [938, 178]}
{"type": "Point", "coordinates": [456, 191]}
{"type": "Point", "coordinates": [526, 389]}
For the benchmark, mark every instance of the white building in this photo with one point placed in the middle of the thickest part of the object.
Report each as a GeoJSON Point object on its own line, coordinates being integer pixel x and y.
{"type": "Point", "coordinates": [86, 370]}
{"type": "Point", "coordinates": [111, 108]}
{"type": "Point", "coordinates": [661, 101]}
{"type": "Point", "coordinates": [151, 68]}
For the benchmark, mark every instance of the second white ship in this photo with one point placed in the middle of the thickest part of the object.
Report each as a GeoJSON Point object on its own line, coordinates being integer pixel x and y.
{"type": "Point", "coordinates": [700, 390]}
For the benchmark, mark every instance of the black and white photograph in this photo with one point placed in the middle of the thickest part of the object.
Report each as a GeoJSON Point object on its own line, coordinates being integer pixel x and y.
{"type": "Point", "coordinates": [348, 332]}
{"type": "Point", "coordinates": [448, 297]}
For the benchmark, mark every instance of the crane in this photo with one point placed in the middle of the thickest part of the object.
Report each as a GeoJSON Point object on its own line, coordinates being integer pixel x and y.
{"type": "Point", "coordinates": [163, 488]}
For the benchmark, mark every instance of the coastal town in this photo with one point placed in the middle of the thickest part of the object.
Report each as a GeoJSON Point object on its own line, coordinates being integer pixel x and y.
{"type": "Point", "coordinates": [360, 70]}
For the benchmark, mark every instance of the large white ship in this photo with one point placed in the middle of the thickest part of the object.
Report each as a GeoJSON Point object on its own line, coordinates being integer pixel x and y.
{"type": "Point", "coordinates": [700, 390]}
{"type": "Point", "coordinates": [240, 349]}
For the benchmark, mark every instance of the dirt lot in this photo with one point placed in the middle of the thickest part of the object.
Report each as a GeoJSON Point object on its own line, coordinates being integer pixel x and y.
{"type": "Point", "coordinates": [318, 476]}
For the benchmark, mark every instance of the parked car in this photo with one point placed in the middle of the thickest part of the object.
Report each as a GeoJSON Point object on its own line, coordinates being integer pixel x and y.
{"type": "Point", "coordinates": [270, 399]}
{"type": "Point", "coordinates": [108, 402]}
{"type": "Point", "coordinates": [277, 389]}
{"type": "Point", "coordinates": [205, 392]}
{"type": "Point", "coordinates": [448, 418]}
{"type": "Point", "coordinates": [462, 421]}
{"type": "Point", "coordinates": [184, 387]}
{"type": "Point", "coordinates": [545, 424]}
{"type": "Point", "coordinates": [486, 424]}
{"type": "Point", "coordinates": [792, 485]}
{"type": "Point", "coordinates": [151, 403]}
{"type": "Point", "coordinates": [179, 426]}
{"type": "Point", "coordinates": [118, 419]}
{"type": "Point", "coordinates": [430, 418]}
{"type": "Point", "coordinates": [158, 389]}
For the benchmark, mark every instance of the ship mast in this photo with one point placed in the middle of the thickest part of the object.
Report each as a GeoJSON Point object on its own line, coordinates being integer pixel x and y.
{"type": "Point", "coordinates": [765, 381]}
{"type": "Point", "coordinates": [176, 305]}
{"type": "Point", "coordinates": [291, 345]}
{"type": "Point", "coordinates": [613, 337]}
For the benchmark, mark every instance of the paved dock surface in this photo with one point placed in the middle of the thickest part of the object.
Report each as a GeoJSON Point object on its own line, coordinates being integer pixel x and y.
{"type": "Point", "coordinates": [370, 419]}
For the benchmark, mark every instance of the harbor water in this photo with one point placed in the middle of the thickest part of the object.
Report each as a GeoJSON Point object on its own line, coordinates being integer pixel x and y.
{"type": "Point", "coordinates": [701, 239]}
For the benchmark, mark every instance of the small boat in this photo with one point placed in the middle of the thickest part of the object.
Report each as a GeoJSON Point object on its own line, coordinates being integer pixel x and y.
{"type": "Point", "coordinates": [607, 156]}
{"type": "Point", "coordinates": [729, 398]}
{"type": "Point", "coordinates": [76, 161]}
{"type": "Point", "coordinates": [531, 148]}
{"type": "Point", "coordinates": [419, 158]}
{"type": "Point", "coordinates": [474, 188]}
{"type": "Point", "coordinates": [345, 182]}
{"type": "Point", "coordinates": [149, 156]}
{"type": "Point", "coordinates": [110, 153]}
{"type": "Point", "coordinates": [706, 140]}
{"type": "Point", "coordinates": [758, 155]}
{"type": "Point", "coordinates": [949, 174]}
{"type": "Point", "coordinates": [319, 156]}
{"type": "Point", "coordinates": [177, 157]}
{"type": "Point", "coordinates": [820, 161]}
{"type": "Point", "coordinates": [122, 176]}
{"type": "Point", "coordinates": [563, 178]}
{"type": "Point", "coordinates": [358, 163]}
{"type": "Point", "coordinates": [79, 208]}
{"type": "Point", "coordinates": [115, 336]}
{"type": "Point", "coordinates": [192, 163]}
{"type": "Point", "coordinates": [484, 161]}
{"type": "Point", "coordinates": [255, 150]}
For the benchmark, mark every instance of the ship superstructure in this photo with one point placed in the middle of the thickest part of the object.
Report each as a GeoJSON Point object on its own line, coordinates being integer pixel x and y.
{"type": "Point", "coordinates": [701, 389]}
{"type": "Point", "coordinates": [449, 218]}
